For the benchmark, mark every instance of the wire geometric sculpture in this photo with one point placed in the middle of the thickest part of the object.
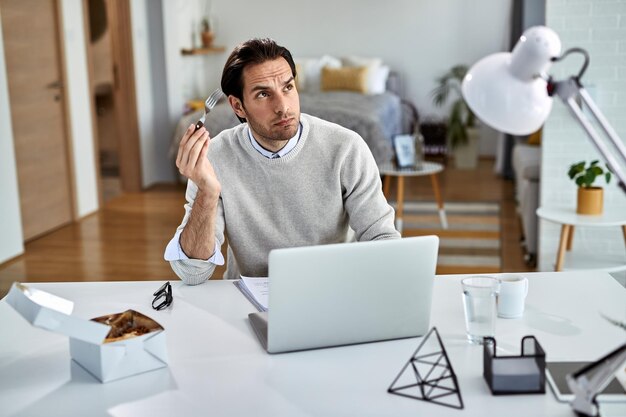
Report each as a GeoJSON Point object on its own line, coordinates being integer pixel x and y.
{"type": "Point", "coordinates": [430, 377]}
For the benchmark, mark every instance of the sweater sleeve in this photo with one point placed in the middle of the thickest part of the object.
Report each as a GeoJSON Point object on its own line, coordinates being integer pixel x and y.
{"type": "Point", "coordinates": [196, 271]}
{"type": "Point", "coordinates": [370, 216]}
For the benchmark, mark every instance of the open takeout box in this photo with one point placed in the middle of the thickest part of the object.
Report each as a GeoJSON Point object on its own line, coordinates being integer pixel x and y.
{"type": "Point", "coordinates": [107, 358]}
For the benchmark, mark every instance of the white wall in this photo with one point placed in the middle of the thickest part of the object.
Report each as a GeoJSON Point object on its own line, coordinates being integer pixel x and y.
{"type": "Point", "coordinates": [10, 219]}
{"type": "Point", "coordinates": [420, 39]}
{"type": "Point", "coordinates": [600, 28]}
{"type": "Point", "coordinates": [143, 81]}
{"type": "Point", "coordinates": [151, 92]}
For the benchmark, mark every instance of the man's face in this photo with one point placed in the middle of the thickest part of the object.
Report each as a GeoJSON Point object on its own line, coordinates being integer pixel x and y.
{"type": "Point", "coordinates": [270, 104]}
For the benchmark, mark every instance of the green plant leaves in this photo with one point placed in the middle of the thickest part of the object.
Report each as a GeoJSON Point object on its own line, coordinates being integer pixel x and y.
{"type": "Point", "coordinates": [585, 176]}
{"type": "Point", "coordinates": [576, 169]}
{"type": "Point", "coordinates": [461, 116]}
{"type": "Point", "coordinates": [457, 134]}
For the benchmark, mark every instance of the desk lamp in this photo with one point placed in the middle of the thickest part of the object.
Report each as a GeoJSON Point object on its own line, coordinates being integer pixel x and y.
{"type": "Point", "coordinates": [511, 92]}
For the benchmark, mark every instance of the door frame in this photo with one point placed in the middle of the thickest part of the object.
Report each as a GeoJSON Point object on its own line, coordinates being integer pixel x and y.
{"type": "Point", "coordinates": [124, 95]}
{"type": "Point", "coordinates": [67, 115]}
{"type": "Point", "coordinates": [92, 103]}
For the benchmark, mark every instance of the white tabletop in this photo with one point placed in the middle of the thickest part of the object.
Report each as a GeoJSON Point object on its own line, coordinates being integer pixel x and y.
{"type": "Point", "coordinates": [217, 366]}
{"type": "Point", "coordinates": [567, 215]}
{"type": "Point", "coordinates": [426, 168]}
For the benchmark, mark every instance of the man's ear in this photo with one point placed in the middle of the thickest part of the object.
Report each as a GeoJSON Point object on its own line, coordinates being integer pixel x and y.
{"type": "Point", "coordinates": [237, 106]}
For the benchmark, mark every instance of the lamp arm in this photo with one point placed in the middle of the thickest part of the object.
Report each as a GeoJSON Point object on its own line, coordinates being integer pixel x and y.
{"type": "Point", "coordinates": [589, 381]}
{"type": "Point", "coordinates": [608, 129]}
{"type": "Point", "coordinates": [581, 51]}
{"type": "Point", "coordinates": [567, 91]}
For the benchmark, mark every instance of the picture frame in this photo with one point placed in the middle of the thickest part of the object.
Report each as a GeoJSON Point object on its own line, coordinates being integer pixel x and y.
{"type": "Point", "coordinates": [404, 145]}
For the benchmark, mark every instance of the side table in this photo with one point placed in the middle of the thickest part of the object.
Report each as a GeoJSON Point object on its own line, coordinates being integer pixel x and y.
{"type": "Point", "coordinates": [568, 219]}
{"type": "Point", "coordinates": [432, 169]}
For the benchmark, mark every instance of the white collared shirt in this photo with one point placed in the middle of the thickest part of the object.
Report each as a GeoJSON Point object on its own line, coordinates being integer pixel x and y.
{"type": "Point", "coordinates": [284, 151]}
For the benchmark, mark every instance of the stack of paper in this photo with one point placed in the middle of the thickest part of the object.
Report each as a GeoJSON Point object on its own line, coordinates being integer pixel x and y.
{"type": "Point", "coordinates": [256, 290]}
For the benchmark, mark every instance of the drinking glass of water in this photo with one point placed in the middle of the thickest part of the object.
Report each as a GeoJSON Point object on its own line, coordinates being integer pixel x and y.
{"type": "Point", "coordinates": [479, 300]}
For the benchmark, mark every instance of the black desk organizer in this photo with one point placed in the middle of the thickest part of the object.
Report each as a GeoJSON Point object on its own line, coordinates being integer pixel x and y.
{"type": "Point", "coordinates": [431, 377]}
{"type": "Point", "coordinates": [524, 374]}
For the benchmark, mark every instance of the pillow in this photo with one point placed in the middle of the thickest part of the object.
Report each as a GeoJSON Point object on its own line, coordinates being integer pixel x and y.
{"type": "Point", "coordinates": [346, 78]}
{"type": "Point", "coordinates": [377, 73]}
{"type": "Point", "coordinates": [358, 61]}
{"type": "Point", "coordinates": [312, 70]}
{"type": "Point", "coordinates": [377, 79]}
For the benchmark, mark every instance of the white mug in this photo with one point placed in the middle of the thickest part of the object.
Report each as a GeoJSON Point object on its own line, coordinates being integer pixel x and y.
{"type": "Point", "coordinates": [512, 295]}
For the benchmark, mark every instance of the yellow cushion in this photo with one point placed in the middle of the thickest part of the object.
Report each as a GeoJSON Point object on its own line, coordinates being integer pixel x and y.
{"type": "Point", "coordinates": [195, 104]}
{"type": "Point", "coordinates": [345, 78]}
{"type": "Point", "coordinates": [535, 138]}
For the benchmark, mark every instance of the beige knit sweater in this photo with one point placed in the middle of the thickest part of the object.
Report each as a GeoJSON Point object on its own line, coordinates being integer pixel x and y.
{"type": "Point", "coordinates": [311, 196]}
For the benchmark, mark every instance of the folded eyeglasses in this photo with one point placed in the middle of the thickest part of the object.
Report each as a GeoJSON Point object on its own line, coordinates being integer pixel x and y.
{"type": "Point", "coordinates": [163, 297]}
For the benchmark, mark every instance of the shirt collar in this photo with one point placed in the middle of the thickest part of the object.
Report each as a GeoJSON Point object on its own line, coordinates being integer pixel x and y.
{"type": "Point", "coordinates": [284, 151]}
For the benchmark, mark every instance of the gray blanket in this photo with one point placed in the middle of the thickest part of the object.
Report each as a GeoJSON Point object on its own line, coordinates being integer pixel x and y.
{"type": "Point", "coordinates": [377, 118]}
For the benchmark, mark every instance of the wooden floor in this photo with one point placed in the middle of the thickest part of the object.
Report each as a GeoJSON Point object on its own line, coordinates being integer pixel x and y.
{"type": "Point", "coordinates": [125, 240]}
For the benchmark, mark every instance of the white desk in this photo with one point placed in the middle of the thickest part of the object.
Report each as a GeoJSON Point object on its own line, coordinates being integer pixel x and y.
{"type": "Point", "coordinates": [217, 366]}
{"type": "Point", "coordinates": [569, 219]}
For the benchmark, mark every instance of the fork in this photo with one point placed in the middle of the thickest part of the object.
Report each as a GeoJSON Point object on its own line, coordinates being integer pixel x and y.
{"type": "Point", "coordinates": [208, 105]}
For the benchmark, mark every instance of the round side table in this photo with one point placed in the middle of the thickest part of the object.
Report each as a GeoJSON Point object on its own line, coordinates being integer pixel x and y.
{"type": "Point", "coordinates": [432, 169]}
{"type": "Point", "coordinates": [568, 219]}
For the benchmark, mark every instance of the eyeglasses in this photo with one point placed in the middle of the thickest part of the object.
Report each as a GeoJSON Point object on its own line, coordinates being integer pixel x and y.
{"type": "Point", "coordinates": [163, 297]}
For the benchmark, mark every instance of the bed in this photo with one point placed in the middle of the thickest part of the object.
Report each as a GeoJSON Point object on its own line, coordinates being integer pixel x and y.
{"type": "Point", "coordinates": [360, 94]}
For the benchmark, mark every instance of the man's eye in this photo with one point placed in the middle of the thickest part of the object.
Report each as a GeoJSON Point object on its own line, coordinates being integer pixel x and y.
{"type": "Point", "coordinates": [289, 87]}
{"type": "Point", "coordinates": [262, 94]}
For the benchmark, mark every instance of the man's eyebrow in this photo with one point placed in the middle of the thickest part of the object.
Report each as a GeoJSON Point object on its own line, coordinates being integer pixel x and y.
{"type": "Point", "coordinates": [265, 87]}
{"type": "Point", "coordinates": [260, 87]}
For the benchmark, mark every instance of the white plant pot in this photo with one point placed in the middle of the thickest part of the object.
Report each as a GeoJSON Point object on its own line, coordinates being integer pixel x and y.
{"type": "Point", "coordinates": [466, 155]}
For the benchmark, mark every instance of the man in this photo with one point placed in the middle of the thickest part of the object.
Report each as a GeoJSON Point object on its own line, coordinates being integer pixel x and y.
{"type": "Point", "coordinates": [282, 179]}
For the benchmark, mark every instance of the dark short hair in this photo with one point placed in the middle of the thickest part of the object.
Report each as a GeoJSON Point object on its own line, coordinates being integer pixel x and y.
{"type": "Point", "coordinates": [251, 52]}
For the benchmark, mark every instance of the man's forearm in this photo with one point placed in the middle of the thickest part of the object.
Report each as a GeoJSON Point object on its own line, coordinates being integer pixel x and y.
{"type": "Point", "coordinates": [198, 238]}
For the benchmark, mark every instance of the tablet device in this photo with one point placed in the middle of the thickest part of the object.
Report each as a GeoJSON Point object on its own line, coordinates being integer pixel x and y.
{"type": "Point", "coordinates": [557, 371]}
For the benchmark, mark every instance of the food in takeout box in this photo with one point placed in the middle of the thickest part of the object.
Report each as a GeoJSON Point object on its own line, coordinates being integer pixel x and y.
{"type": "Point", "coordinates": [109, 347]}
{"type": "Point", "coordinates": [127, 324]}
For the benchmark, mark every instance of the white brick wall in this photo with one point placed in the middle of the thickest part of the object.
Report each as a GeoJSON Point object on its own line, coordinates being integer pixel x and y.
{"type": "Point", "coordinates": [599, 26]}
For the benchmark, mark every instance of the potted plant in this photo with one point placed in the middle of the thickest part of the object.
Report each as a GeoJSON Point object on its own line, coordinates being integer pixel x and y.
{"type": "Point", "coordinates": [590, 199]}
{"type": "Point", "coordinates": [462, 130]}
{"type": "Point", "coordinates": [206, 33]}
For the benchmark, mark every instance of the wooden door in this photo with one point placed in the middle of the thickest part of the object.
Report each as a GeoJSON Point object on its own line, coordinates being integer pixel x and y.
{"type": "Point", "coordinates": [33, 60]}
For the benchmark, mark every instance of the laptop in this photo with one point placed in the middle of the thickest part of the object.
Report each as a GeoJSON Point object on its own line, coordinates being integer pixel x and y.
{"type": "Point", "coordinates": [342, 294]}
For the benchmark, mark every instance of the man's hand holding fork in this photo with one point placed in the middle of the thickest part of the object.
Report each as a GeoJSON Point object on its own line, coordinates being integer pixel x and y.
{"type": "Point", "coordinates": [192, 161]}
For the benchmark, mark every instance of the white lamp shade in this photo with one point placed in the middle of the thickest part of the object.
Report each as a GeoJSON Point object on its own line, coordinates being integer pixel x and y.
{"type": "Point", "coordinates": [505, 90]}
{"type": "Point", "coordinates": [503, 101]}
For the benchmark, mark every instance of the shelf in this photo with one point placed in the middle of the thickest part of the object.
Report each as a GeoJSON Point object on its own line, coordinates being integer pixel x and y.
{"type": "Point", "coordinates": [203, 51]}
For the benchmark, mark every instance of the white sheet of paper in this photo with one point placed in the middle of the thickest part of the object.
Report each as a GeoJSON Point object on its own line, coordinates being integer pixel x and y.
{"type": "Point", "coordinates": [259, 287]}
